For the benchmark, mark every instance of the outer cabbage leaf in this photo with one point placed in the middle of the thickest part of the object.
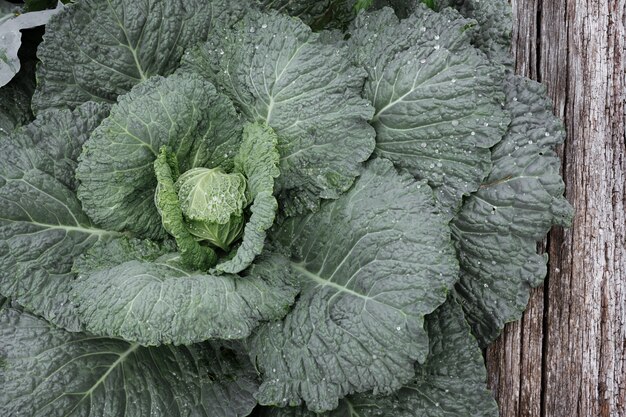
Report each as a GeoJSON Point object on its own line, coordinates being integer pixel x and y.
{"type": "Point", "coordinates": [11, 24]}
{"type": "Point", "coordinates": [325, 14]}
{"type": "Point", "coordinates": [451, 383]}
{"type": "Point", "coordinates": [61, 134]}
{"type": "Point", "coordinates": [495, 20]}
{"type": "Point", "coordinates": [371, 265]}
{"type": "Point", "coordinates": [110, 253]}
{"type": "Point", "coordinates": [280, 73]}
{"type": "Point", "coordinates": [258, 160]}
{"type": "Point", "coordinates": [497, 229]}
{"type": "Point", "coordinates": [42, 225]}
{"type": "Point", "coordinates": [437, 98]}
{"type": "Point", "coordinates": [15, 100]}
{"type": "Point", "coordinates": [159, 302]}
{"type": "Point", "coordinates": [99, 49]}
{"type": "Point", "coordinates": [116, 171]}
{"type": "Point", "coordinates": [47, 371]}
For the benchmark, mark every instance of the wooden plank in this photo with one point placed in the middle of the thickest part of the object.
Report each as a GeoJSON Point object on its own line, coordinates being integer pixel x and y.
{"type": "Point", "coordinates": [567, 356]}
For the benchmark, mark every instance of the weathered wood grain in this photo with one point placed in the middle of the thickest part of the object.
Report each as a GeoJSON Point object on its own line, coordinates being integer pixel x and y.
{"type": "Point", "coordinates": [567, 357]}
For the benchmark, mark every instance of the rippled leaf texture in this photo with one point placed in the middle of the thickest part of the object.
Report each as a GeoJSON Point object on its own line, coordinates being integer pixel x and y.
{"type": "Point", "coordinates": [61, 134]}
{"type": "Point", "coordinates": [498, 227]}
{"type": "Point", "coordinates": [258, 160]}
{"type": "Point", "coordinates": [280, 73]}
{"type": "Point", "coordinates": [437, 98]}
{"type": "Point", "coordinates": [42, 225]}
{"type": "Point", "coordinates": [495, 23]}
{"type": "Point", "coordinates": [371, 265]}
{"type": "Point", "coordinates": [183, 112]}
{"type": "Point", "coordinates": [451, 383]}
{"type": "Point", "coordinates": [325, 14]}
{"type": "Point", "coordinates": [110, 253]}
{"type": "Point", "coordinates": [159, 302]}
{"type": "Point", "coordinates": [15, 99]}
{"type": "Point", "coordinates": [99, 49]}
{"type": "Point", "coordinates": [49, 372]}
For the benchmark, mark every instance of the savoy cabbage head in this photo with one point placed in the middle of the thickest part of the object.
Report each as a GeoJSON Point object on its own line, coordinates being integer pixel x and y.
{"type": "Point", "coordinates": [277, 208]}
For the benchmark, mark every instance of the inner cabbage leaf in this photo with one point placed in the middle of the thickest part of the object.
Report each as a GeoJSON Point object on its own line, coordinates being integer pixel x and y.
{"type": "Point", "coordinates": [258, 160]}
{"type": "Point", "coordinates": [280, 73]}
{"type": "Point", "coordinates": [116, 173]}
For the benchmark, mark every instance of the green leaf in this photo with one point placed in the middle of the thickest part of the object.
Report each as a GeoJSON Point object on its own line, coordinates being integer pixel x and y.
{"type": "Point", "coordinates": [182, 112]}
{"type": "Point", "coordinates": [258, 160]}
{"type": "Point", "coordinates": [110, 253]}
{"type": "Point", "coordinates": [47, 371]}
{"type": "Point", "coordinates": [212, 195]}
{"type": "Point", "coordinates": [281, 74]}
{"type": "Point", "coordinates": [193, 254]}
{"type": "Point", "coordinates": [495, 24]}
{"type": "Point", "coordinates": [437, 98]}
{"type": "Point", "coordinates": [371, 265]}
{"type": "Point", "coordinates": [42, 225]}
{"type": "Point", "coordinates": [11, 24]}
{"type": "Point", "coordinates": [498, 227]}
{"type": "Point", "coordinates": [15, 100]}
{"type": "Point", "coordinates": [451, 383]}
{"type": "Point", "coordinates": [97, 50]}
{"type": "Point", "coordinates": [324, 14]}
{"type": "Point", "coordinates": [160, 302]}
{"type": "Point", "coordinates": [61, 134]}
